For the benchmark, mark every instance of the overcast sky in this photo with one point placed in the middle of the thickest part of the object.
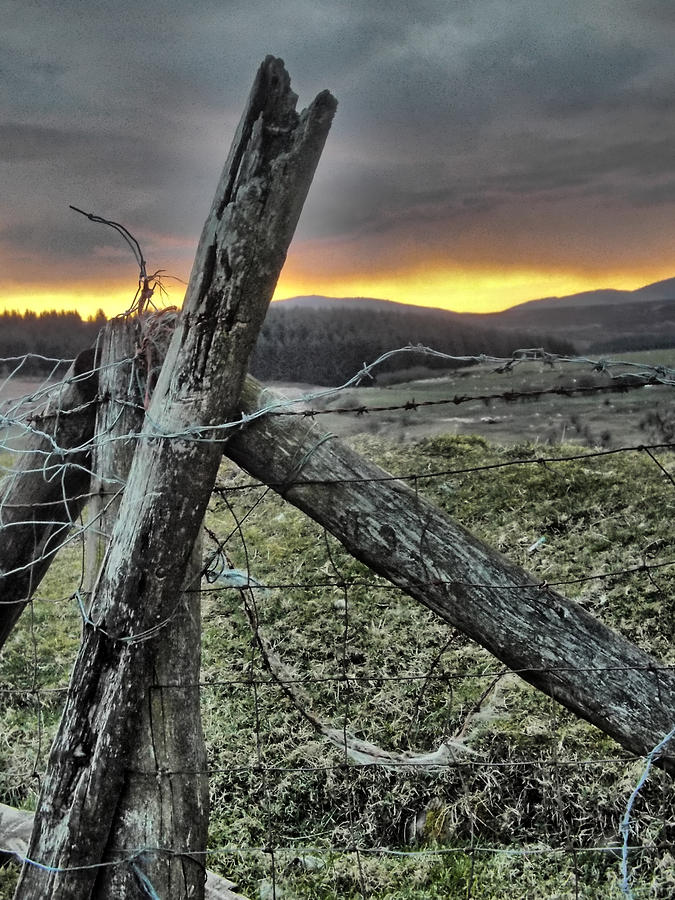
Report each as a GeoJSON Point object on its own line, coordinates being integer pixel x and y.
{"type": "Point", "coordinates": [484, 151]}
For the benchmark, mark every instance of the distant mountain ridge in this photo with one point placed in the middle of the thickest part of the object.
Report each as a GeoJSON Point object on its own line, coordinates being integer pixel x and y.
{"type": "Point", "coordinates": [657, 290]}
{"type": "Point", "coordinates": [318, 301]}
{"type": "Point", "coordinates": [604, 319]}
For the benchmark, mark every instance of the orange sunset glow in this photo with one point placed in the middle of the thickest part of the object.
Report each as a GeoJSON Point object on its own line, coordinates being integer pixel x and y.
{"type": "Point", "coordinates": [469, 290]}
{"type": "Point", "coordinates": [476, 162]}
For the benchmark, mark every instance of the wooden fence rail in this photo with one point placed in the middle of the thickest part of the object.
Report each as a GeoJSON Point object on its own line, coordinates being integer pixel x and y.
{"type": "Point", "coordinates": [551, 641]}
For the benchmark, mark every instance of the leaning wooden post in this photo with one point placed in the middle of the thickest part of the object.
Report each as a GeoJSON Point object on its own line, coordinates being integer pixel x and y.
{"type": "Point", "coordinates": [49, 486]}
{"type": "Point", "coordinates": [119, 416]}
{"type": "Point", "coordinates": [240, 255]}
{"type": "Point", "coordinates": [164, 801]}
{"type": "Point", "coordinates": [550, 641]}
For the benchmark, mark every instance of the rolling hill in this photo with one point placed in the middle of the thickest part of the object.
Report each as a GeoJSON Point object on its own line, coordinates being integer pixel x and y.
{"type": "Point", "coordinates": [323, 340]}
{"type": "Point", "coordinates": [601, 320]}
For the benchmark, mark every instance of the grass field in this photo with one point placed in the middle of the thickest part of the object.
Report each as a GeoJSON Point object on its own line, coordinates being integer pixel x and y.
{"type": "Point", "coordinates": [662, 357]}
{"type": "Point", "coordinates": [534, 781]}
{"type": "Point", "coordinates": [538, 790]}
{"type": "Point", "coordinates": [592, 419]}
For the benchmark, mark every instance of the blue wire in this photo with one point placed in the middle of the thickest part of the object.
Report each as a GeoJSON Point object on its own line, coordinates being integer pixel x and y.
{"type": "Point", "coordinates": [625, 822]}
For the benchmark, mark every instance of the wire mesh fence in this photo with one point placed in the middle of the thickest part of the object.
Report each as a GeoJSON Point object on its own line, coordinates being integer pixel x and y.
{"type": "Point", "coordinates": [357, 745]}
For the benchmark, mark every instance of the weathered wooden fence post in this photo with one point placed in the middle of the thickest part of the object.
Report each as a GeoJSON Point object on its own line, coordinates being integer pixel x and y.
{"type": "Point", "coordinates": [240, 255]}
{"type": "Point", "coordinates": [119, 417]}
{"type": "Point", "coordinates": [43, 496]}
{"type": "Point", "coordinates": [164, 801]}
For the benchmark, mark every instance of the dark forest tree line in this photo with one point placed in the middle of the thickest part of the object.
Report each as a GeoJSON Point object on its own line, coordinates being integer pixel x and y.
{"type": "Point", "coordinates": [54, 334]}
{"type": "Point", "coordinates": [329, 346]}
{"type": "Point", "coordinates": [628, 343]}
{"type": "Point", "coordinates": [319, 346]}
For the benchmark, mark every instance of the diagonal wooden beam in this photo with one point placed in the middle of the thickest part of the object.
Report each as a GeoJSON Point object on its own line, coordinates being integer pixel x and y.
{"type": "Point", "coordinates": [551, 641]}
{"type": "Point", "coordinates": [49, 486]}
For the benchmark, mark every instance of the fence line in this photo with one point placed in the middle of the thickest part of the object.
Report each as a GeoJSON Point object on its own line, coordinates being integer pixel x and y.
{"type": "Point", "coordinates": [648, 375]}
{"type": "Point", "coordinates": [346, 678]}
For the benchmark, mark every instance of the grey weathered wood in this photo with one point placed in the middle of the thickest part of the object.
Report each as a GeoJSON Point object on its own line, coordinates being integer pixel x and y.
{"type": "Point", "coordinates": [164, 800]}
{"type": "Point", "coordinates": [551, 641]}
{"type": "Point", "coordinates": [165, 796]}
{"type": "Point", "coordinates": [15, 830]}
{"type": "Point", "coordinates": [240, 255]}
{"type": "Point", "coordinates": [44, 494]}
{"type": "Point", "coordinates": [119, 417]}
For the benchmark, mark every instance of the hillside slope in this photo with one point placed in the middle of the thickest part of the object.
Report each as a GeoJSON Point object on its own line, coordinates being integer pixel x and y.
{"type": "Point", "coordinates": [600, 320]}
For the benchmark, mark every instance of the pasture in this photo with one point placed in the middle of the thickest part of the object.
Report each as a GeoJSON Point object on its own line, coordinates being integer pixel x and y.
{"type": "Point", "coordinates": [530, 804]}
{"type": "Point", "coordinates": [608, 419]}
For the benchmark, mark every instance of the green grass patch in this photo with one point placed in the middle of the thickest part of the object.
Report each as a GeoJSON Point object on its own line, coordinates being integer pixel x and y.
{"type": "Point", "coordinates": [536, 780]}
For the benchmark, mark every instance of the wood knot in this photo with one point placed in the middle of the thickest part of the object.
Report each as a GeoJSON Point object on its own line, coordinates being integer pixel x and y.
{"type": "Point", "coordinates": [388, 535]}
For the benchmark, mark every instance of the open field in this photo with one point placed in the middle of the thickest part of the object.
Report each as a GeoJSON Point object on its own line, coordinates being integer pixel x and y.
{"type": "Point", "coordinates": [662, 357]}
{"type": "Point", "coordinates": [14, 388]}
{"type": "Point", "coordinates": [594, 419]}
{"type": "Point", "coordinates": [532, 782]}
{"type": "Point", "coordinates": [17, 396]}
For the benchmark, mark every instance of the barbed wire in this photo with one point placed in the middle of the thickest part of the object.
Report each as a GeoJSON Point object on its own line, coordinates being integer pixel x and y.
{"type": "Point", "coordinates": [510, 396]}
{"type": "Point", "coordinates": [648, 375]}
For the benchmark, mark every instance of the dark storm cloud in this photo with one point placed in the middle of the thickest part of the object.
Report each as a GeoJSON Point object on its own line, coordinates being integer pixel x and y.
{"type": "Point", "coordinates": [144, 162]}
{"type": "Point", "coordinates": [35, 82]}
{"type": "Point", "coordinates": [501, 74]}
{"type": "Point", "coordinates": [123, 174]}
{"type": "Point", "coordinates": [519, 108]}
{"type": "Point", "coordinates": [447, 111]}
